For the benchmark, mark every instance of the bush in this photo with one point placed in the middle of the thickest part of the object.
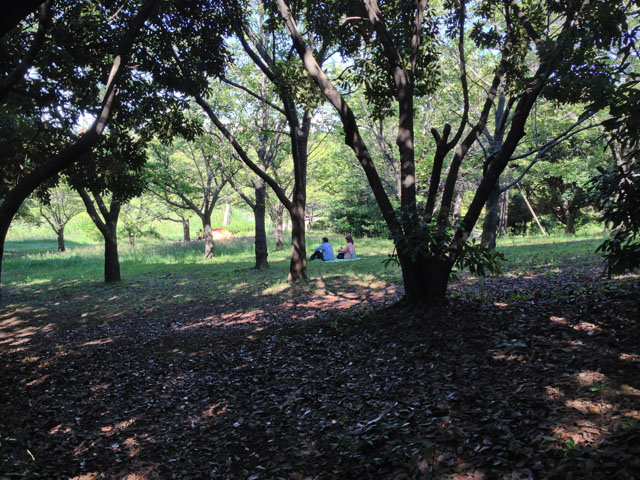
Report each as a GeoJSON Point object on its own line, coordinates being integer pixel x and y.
{"type": "Point", "coordinates": [616, 192]}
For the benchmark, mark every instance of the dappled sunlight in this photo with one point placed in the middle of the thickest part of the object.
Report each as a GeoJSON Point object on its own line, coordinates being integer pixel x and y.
{"type": "Point", "coordinates": [276, 289]}
{"type": "Point", "coordinates": [39, 380]}
{"type": "Point", "coordinates": [11, 322]}
{"type": "Point", "coordinates": [221, 373]}
{"type": "Point", "coordinates": [588, 406]}
{"type": "Point", "coordinates": [110, 430]}
{"type": "Point", "coordinates": [629, 390]}
{"type": "Point", "coordinates": [588, 378]}
{"type": "Point", "coordinates": [102, 341]}
{"type": "Point", "coordinates": [553, 393]}
{"type": "Point", "coordinates": [630, 357]}
{"type": "Point", "coordinates": [212, 414]}
{"type": "Point", "coordinates": [239, 288]}
{"type": "Point", "coordinates": [587, 327]}
{"type": "Point", "coordinates": [99, 387]}
{"type": "Point", "coordinates": [581, 433]}
{"type": "Point", "coordinates": [60, 428]}
{"type": "Point", "coordinates": [227, 319]}
{"type": "Point", "coordinates": [558, 320]}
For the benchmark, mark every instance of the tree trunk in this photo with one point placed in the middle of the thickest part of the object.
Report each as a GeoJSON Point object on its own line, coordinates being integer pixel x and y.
{"type": "Point", "coordinates": [278, 229]}
{"type": "Point", "coordinates": [132, 239]}
{"type": "Point", "coordinates": [186, 233]}
{"type": "Point", "coordinates": [111, 261]}
{"type": "Point", "coordinates": [535, 217]}
{"type": "Point", "coordinates": [425, 282]}
{"type": "Point", "coordinates": [60, 234]}
{"type": "Point", "coordinates": [298, 265]}
{"type": "Point", "coordinates": [570, 218]}
{"type": "Point", "coordinates": [504, 213]}
{"type": "Point", "coordinates": [208, 238]}
{"type": "Point", "coordinates": [491, 218]}
{"type": "Point", "coordinates": [457, 204]}
{"type": "Point", "coordinates": [227, 214]}
{"type": "Point", "coordinates": [260, 231]}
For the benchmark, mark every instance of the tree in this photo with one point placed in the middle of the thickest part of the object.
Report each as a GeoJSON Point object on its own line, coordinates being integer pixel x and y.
{"type": "Point", "coordinates": [21, 178]}
{"type": "Point", "coordinates": [258, 124]}
{"type": "Point", "coordinates": [616, 191]}
{"type": "Point", "coordinates": [190, 176]}
{"type": "Point", "coordinates": [164, 211]}
{"type": "Point", "coordinates": [60, 206]}
{"type": "Point", "coordinates": [14, 12]}
{"type": "Point", "coordinates": [68, 86]}
{"type": "Point", "coordinates": [398, 62]}
{"type": "Point", "coordinates": [297, 101]}
{"type": "Point", "coordinates": [137, 218]}
{"type": "Point", "coordinates": [106, 179]}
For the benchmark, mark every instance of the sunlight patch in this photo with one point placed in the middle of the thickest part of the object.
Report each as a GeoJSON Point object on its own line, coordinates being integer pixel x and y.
{"type": "Point", "coordinates": [209, 415]}
{"type": "Point", "coordinates": [587, 406]}
{"type": "Point", "coordinates": [38, 381]}
{"type": "Point", "coordinates": [629, 390]}
{"type": "Point", "coordinates": [102, 341]}
{"type": "Point", "coordinates": [133, 446]}
{"type": "Point", "coordinates": [112, 429]}
{"type": "Point", "coordinates": [275, 289]}
{"type": "Point", "coordinates": [558, 320]}
{"type": "Point", "coordinates": [587, 378]}
{"type": "Point", "coordinates": [86, 476]}
{"type": "Point", "coordinates": [11, 322]}
{"type": "Point", "coordinates": [554, 393]}
{"type": "Point", "coordinates": [101, 386]}
{"type": "Point", "coordinates": [630, 357]}
{"type": "Point", "coordinates": [590, 328]}
{"type": "Point", "coordinates": [59, 429]}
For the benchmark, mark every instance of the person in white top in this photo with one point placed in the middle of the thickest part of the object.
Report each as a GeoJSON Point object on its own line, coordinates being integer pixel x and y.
{"type": "Point", "coordinates": [349, 251]}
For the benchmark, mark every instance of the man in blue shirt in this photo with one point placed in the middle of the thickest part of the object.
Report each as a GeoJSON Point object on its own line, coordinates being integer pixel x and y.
{"type": "Point", "coordinates": [324, 251]}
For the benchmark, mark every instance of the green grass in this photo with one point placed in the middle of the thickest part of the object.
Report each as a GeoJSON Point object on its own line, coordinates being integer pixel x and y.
{"type": "Point", "coordinates": [522, 254]}
{"type": "Point", "coordinates": [81, 229]}
{"type": "Point", "coordinates": [171, 276]}
{"type": "Point", "coordinates": [167, 275]}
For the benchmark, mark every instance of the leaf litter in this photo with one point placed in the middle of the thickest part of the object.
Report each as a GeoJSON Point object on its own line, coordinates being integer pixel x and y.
{"type": "Point", "coordinates": [533, 376]}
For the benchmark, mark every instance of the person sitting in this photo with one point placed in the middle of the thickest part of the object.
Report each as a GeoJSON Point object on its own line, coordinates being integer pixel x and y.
{"type": "Point", "coordinates": [349, 251]}
{"type": "Point", "coordinates": [324, 251]}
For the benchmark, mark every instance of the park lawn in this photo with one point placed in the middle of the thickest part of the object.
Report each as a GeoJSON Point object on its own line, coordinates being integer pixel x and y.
{"type": "Point", "coordinates": [194, 368]}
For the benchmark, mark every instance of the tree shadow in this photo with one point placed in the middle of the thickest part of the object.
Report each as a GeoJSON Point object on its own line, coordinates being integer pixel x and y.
{"type": "Point", "coordinates": [272, 380]}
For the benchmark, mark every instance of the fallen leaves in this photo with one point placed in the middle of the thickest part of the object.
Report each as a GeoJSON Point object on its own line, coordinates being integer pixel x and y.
{"type": "Point", "coordinates": [519, 378]}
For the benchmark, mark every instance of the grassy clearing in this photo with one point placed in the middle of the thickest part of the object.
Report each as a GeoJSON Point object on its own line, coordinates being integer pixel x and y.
{"type": "Point", "coordinates": [522, 254]}
{"type": "Point", "coordinates": [168, 276]}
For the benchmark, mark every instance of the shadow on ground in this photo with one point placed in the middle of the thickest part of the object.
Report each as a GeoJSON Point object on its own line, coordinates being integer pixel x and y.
{"type": "Point", "coordinates": [532, 377]}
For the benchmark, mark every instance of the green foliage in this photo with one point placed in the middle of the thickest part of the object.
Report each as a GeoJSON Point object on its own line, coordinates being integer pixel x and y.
{"type": "Point", "coordinates": [616, 192]}
{"type": "Point", "coordinates": [479, 260]}
{"type": "Point", "coordinates": [501, 340]}
{"type": "Point", "coordinates": [427, 240]}
{"type": "Point", "coordinates": [601, 386]}
{"type": "Point", "coordinates": [355, 211]}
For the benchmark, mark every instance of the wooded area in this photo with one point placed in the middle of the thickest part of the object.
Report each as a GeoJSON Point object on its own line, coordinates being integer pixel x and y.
{"type": "Point", "coordinates": [437, 134]}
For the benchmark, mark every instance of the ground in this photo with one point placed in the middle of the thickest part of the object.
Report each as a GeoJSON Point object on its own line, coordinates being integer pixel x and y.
{"type": "Point", "coordinates": [519, 377]}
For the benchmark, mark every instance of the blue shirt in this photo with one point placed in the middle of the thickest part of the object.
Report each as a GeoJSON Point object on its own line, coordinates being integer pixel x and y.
{"type": "Point", "coordinates": [327, 251]}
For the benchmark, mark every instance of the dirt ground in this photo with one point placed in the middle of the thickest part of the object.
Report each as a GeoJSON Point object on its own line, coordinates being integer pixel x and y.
{"type": "Point", "coordinates": [534, 376]}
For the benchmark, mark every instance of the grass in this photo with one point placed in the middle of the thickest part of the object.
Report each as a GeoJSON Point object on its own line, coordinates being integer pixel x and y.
{"type": "Point", "coordinates": [170, 274]}
{"type": "Point", "coordinates": [524, 253]}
